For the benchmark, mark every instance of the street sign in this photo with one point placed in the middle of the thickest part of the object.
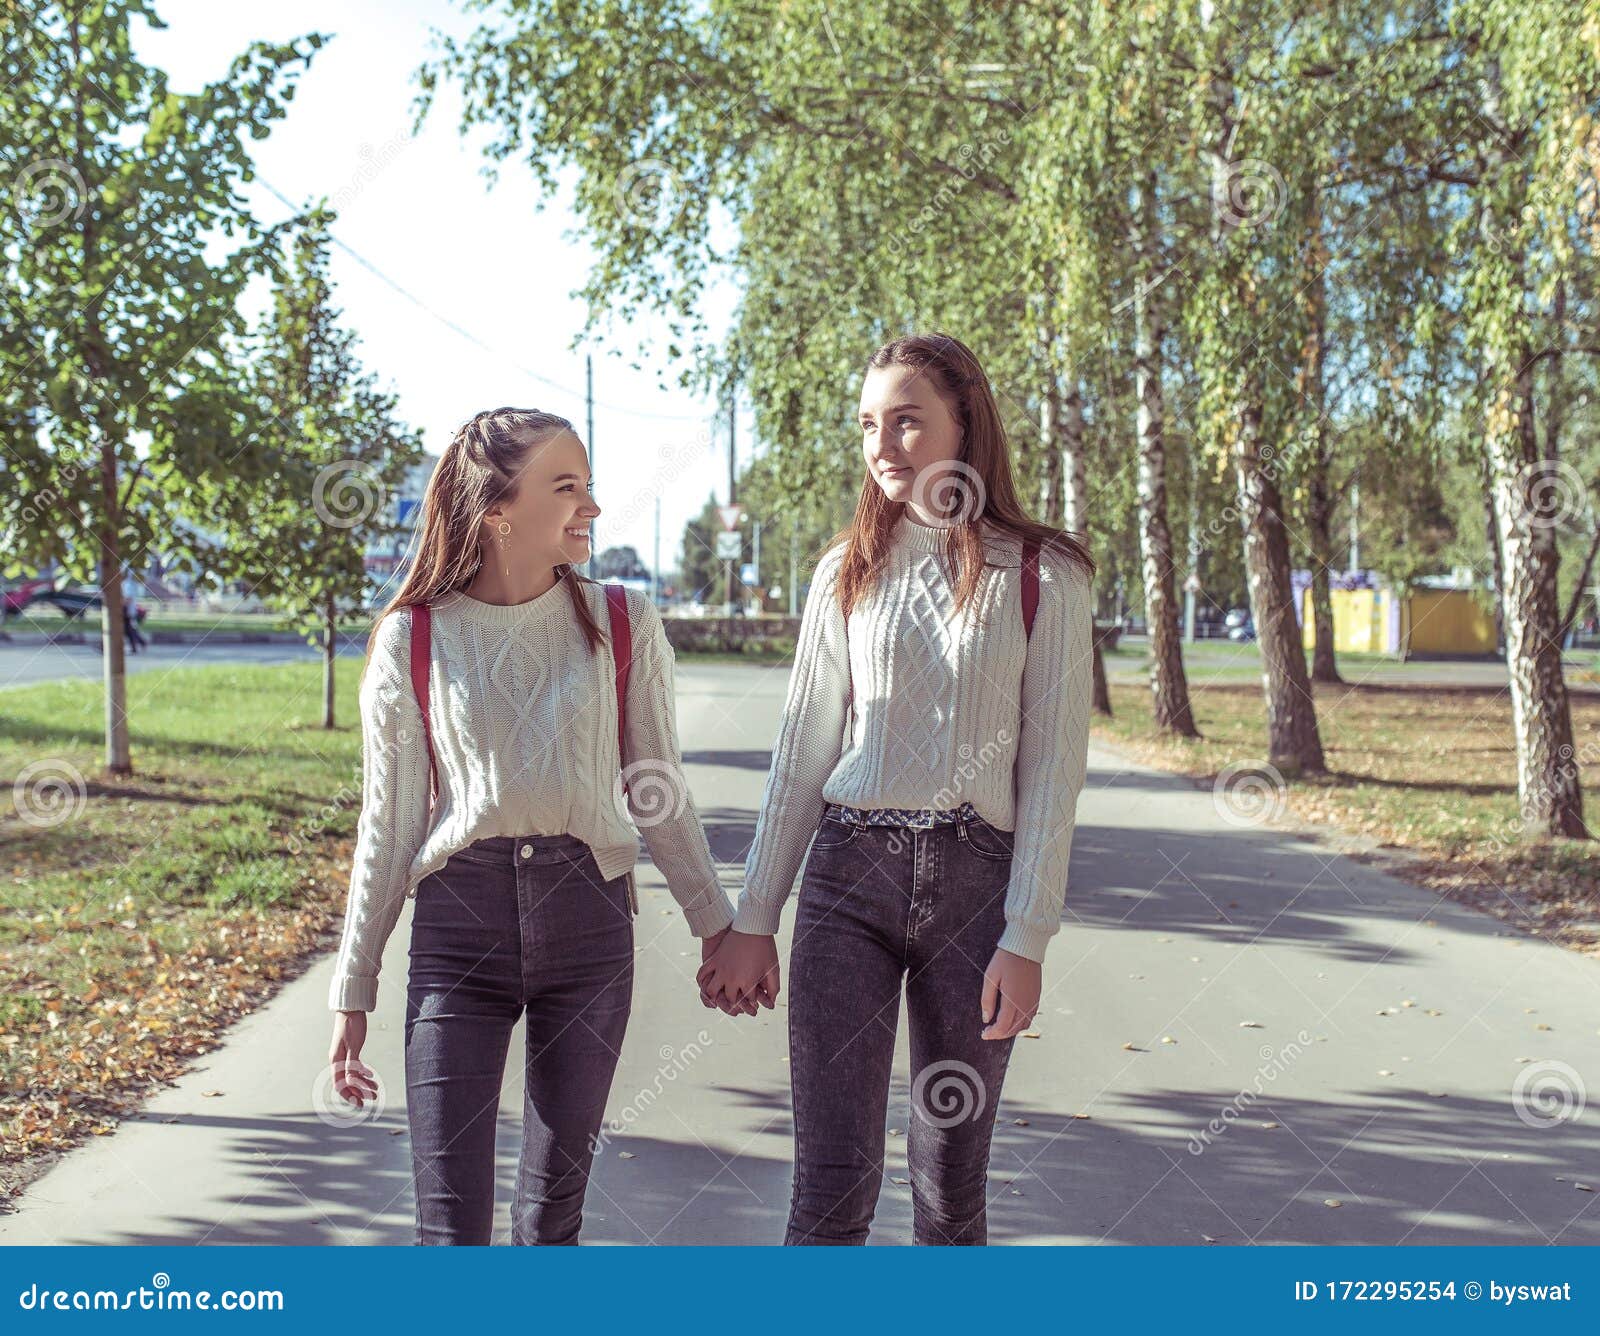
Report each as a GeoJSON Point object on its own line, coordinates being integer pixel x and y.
{"type": "Point", "coordinates": [747, 574]}
{"type": "Point", "coordinates": [730, 516]}
{"type": "Point", "coordinates": [729, 546]}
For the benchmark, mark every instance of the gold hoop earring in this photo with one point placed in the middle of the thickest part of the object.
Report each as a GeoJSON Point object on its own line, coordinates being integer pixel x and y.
{"type": "Point", "coordinates": [504, 529]}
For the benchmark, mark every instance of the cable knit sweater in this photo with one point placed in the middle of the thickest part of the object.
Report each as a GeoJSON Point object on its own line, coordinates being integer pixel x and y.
{"type": "Point", "coordinates": [524, 721]}
{"type": "Point", "coordinates": [945, 712]}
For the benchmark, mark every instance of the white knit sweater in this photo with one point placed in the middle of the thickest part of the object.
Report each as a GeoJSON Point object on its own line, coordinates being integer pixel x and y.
{"type": "Point", "coordinates": [945, 712]}
{"type": "Point", "coordinates": [524, 722]}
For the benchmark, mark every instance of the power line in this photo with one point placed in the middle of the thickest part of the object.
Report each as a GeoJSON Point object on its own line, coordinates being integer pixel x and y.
{"type": "Point", "coordinates": [474, 339]}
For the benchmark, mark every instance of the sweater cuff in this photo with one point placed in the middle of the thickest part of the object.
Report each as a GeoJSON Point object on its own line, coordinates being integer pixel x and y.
{"type": "Point", "coordinates": [1021, 940]}
{"type": "Point", "coordinates": [757, 919]}
{"type": "Point", "coordinates": [353, 994]}
{"type": "Point", "coordinates": [705, 920]}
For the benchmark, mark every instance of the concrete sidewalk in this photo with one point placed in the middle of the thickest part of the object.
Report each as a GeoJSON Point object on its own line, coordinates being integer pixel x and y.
{"type": "Point", "coordinates": [1339, 1037]}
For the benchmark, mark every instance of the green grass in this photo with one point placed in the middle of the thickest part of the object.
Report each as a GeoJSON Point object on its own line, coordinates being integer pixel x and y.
{"type": "Point", "coordinates": [158, 907]}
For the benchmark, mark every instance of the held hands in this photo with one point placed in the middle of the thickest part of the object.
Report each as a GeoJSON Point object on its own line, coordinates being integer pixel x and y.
{"type": "Point", "coordinates": [1011, 986]}
{"type": "Point", "coordinates": [738, 970]}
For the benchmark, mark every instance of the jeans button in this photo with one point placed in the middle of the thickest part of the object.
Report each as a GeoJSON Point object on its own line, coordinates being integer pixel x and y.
{"type": "Point", "coordinates": [527, 851]}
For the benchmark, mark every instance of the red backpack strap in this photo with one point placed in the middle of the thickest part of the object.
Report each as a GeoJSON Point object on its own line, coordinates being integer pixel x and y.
{"type": "Point", "coordinates": [622, 657]}
{"type": "Point", "coordinates": [421, 651]}
{"type": "Point", "coordinates": [1030, 584]}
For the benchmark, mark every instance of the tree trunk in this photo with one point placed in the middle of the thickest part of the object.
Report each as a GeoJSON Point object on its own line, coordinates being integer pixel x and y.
{"type": "Point", "coordinates": [1049, 408]}
{"type": "Point", "coordinates": [97, 360]}
{"type": "Point", "coordinates": [1168, 685]}
{"type": "Point", "coordinates": [1319, 516]}
{"type": "Point", "coordinates": [1075, 506]}
{"type": "Point", "coordinates": [1324, 662]}
{"type": "Point", "coordinates": [1074, 467]}
{"type": "Point", "coordinates": [330, 647]}
{"type": "Point", "coordinates": [1526, 497]}
{"type": "Point", "coordinates": [1294, 745]}
{"type": "Point", "coordinates": [119, 760]}
{"type": "Point", "coordinates": [1492, 525]}
{"type": "Point", "coordinates": [1547, 775]}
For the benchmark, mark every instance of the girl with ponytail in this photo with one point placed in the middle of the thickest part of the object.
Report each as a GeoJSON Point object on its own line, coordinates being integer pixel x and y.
{"type": "Point", "coordinates": [514, 716]}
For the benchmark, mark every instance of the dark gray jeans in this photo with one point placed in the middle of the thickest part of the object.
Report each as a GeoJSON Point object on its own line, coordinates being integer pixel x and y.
{"type": "Point", "coordinates": [508, 928]}
{"type": "Point", "coordinates": [879, 904]}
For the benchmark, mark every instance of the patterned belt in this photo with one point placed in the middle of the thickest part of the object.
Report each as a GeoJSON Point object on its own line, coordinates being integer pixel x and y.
{"type": "Point", "coordinates": [920, 818]}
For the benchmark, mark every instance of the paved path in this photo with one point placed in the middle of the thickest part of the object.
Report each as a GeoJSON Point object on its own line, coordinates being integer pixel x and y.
{"type": "Point", "coordinates": [1350, 1038]}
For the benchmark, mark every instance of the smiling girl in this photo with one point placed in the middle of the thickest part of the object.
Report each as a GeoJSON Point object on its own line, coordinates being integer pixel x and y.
{"type": "Point", "coordinates": [522, 866]}
{"type": "Point", "coordinates": [954, 633]}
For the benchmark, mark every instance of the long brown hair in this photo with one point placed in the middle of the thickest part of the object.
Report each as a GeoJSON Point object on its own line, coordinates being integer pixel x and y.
{"type": "Point", "coordinates": [979, 487]}
{"type": "Point", "coordinates": [482, 465]}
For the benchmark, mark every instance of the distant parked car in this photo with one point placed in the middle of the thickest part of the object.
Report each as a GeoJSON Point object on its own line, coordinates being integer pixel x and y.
{"type": "Point", "coordinates": [74, 603]}
{"type": "Point", "coordinates": [16, 598]}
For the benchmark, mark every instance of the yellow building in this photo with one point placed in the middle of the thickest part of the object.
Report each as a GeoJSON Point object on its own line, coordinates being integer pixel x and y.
{"type": "Point", "coordinates": [1426, 621]}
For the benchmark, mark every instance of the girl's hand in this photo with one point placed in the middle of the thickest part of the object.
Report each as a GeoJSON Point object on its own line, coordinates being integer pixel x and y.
{"type": "Point", "coordinates": [353, 1081]}
{"type": "Point", "coordinates": [743, 971]}
{"type": "Point", "coordinates": [709, 946]}
{"type": "Point", "coordinates": [1011, 986]}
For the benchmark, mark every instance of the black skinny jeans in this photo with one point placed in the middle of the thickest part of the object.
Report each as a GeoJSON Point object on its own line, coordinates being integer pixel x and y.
{"type": "Point", "coordinates": [507, 928]}
{"type": "Point", "coordinates": [878, 904]}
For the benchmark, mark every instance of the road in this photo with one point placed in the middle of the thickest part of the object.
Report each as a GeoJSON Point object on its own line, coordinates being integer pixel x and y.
{"type": "Point", "coordinates": [1343, 1067]}
{"type": "Point", "coordinates": [22, 664]}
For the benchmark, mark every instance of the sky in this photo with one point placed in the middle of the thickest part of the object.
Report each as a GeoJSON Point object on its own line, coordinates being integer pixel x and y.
{"type": "Point", "coordinates": [474, 258]}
